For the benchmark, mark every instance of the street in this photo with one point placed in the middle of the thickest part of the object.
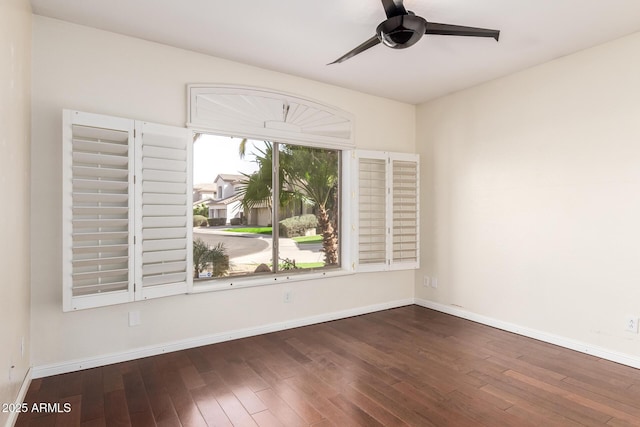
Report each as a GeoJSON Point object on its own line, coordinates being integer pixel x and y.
{"type": "Point", "coordinates": [236, 245]}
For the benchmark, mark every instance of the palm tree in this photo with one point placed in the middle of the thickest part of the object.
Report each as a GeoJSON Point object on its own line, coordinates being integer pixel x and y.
{"type": "Point", "coordinates": [242, 147]}
{"type": "Point", "coordinates": [257, 188]}
{"type": "Point", "coordinates": [313, 172]}
{"type": "Point", "coordinates": [305, 174]}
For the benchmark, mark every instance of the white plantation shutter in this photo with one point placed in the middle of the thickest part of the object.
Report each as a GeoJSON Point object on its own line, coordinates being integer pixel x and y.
{"type": "Point", "coordinates": [163, 211]}
{"type": "Point", "coordinates": [387, 211]}
{"type": "Point", "coordinates": [98, 214]}
{"type": "Point", "coordinates": [126, 207]}
{"type": "Point", "coordinates": [371, 207]}
{"type": "Point", "coordinates": [404, 205]}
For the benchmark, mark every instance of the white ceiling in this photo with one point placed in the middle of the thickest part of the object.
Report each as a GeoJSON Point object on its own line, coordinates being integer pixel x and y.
{"type": "Point", "coordinates": [300, 37]}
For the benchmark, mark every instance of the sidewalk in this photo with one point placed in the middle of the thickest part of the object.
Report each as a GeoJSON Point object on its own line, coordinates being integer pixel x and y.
{"type": "Point", "coordinates": [308, 252]}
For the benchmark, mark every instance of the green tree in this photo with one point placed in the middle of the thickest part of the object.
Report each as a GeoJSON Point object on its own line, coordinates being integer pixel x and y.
{"type": "Point", "coordinates": [257, 188]}
{"type": "Point", "coordinates": [313, 173]}
{"type": "Point", "coordinates": [305, 173]}
{"type": "Point", "coordinates": [201, 209]}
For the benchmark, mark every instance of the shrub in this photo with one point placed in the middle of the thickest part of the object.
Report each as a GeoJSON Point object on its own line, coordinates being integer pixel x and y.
{"type": "Point", "coordinates": [212, 258]}
{"type": "Point", "coordinates": [201, 209]}
{"type": "Point", "coordinates": [219, 260]}
{"type": "Point", "coordinates": [235, 221]}
{"type": "Point", "coordinates": [297, 225]}
{"type": "Point", "coordinates": [217, 221]}
{"type": "Point", "coordinates": [199, 221]}
{"type": "Point", "coordinates": [287, 264]}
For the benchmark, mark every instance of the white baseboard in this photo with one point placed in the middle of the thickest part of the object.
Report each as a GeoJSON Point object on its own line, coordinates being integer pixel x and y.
{"type": "Point", "coordinates": [13, 416]}
{"type": "Point", "coordinates": [92, 362]}
{"type": "Point", "coordinates": [624, 359]}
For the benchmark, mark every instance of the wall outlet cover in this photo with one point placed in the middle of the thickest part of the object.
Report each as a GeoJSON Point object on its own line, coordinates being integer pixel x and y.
{"type": "Point", "coordinates": [631, 323]}
{"type": "Point", "coordinates": [135, 318]}
{"type": "Point", "coordinates": [288, 296]}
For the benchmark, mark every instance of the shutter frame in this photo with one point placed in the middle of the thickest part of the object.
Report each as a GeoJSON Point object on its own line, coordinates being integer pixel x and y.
{"type": "Point", "coordinates": [163, 222]}
{"type": "Point", "coordinates": [105, 203]}
{"type": "Point", "coordinates": [407, 218]}
{"type": "Point", "coordinates": [404, 195]}
{"type": "Point", "coordinates": [368, 227]}
{"type": "Point", "coordinates": [89, 258]}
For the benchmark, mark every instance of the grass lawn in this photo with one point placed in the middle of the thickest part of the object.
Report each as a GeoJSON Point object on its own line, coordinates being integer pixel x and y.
{"type": "Point", "coordinates": [267, 231]}
{"type": "Point", "coordinates": [301, 265]}
{"type": "Point", "coordinates": [308, 239]}
{"type": "Point", "coordinates": [309, 264]}
{"type": "Point", "coordinates": [252, 230]}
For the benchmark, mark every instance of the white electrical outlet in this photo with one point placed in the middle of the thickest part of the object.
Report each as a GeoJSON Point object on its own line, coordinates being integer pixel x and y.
{"type": "Point", "coordinates": [426, 281]}
{"type": "Point", "coordinates": [134, 318]}
{"type": "Point", "coordinates": [631, 324]}
{"type": "Point", "coordinates": [288, 296]}
{"type": "Point", "coordinates": [434, 282]}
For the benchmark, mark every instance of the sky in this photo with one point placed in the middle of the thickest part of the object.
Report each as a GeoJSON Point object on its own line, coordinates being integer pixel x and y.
{"type": "Point", "coordinates": [213, 155]}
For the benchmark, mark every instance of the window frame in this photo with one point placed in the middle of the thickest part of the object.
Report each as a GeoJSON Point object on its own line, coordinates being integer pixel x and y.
{"type": "Point", "coordinates": [250, 280]}
{"type": "Point", "coordinates": [221, 109]}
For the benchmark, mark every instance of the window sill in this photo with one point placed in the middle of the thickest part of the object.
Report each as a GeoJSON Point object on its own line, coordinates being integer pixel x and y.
{"type": "Point", "coordinates": [226, 283]}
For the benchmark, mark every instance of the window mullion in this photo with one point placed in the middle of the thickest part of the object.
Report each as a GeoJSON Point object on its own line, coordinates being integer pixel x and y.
{"type": "Point", "coordinates": [389, 210]}
{"type": "Point", "coordinates": [275, 190]}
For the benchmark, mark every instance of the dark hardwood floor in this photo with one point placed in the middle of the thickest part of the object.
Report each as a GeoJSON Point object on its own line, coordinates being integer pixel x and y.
{"type": "Point", "coordinates": [406, 366]}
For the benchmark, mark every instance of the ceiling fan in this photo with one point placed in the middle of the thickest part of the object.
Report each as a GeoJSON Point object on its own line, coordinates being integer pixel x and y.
{"type": "Point", "coordinates": [403, 28]}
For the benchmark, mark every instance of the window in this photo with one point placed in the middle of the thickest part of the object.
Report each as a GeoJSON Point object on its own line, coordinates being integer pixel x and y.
{"type": "Point", "coordinates": [127, 207]}
{"type": "Point", "coordinates": [242, 239]}
{"type": "Point", "coordinates": [290, 198]}
{"type": "Point", "coordinates": [387, 211]}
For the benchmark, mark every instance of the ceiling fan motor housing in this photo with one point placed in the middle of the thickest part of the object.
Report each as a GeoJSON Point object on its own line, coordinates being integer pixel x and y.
{"type": "Point", "coordinates": [402, 31]}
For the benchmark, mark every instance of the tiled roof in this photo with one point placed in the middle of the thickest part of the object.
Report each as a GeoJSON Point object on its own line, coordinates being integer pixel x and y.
{"type": "Point", "coordinates": [229, 177]}
{"type": "Point", "coordinates": [205, 187]}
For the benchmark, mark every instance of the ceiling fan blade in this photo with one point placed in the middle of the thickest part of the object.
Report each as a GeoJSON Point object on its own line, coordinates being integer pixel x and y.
{"type": "Point", "coordinates": [364, 46]}
{"type": "Point", "coordinates": [393, 8]}
{"type": "Point", "coordinates": [458, 30]}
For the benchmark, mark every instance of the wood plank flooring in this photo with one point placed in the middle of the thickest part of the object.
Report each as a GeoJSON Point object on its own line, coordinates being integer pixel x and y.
{"type": "Point", "coordinates": [406, 366]}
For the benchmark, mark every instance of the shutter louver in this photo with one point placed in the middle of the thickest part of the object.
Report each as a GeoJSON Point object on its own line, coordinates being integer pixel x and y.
{"type": "Point", "coordinates": [405, 211]}
{"type": "Point", "coordinates": [372, 201]}
{"type": "Point", "coordinates": [97, 228]}
{"type": "Point", "coordinates": [164, 211]}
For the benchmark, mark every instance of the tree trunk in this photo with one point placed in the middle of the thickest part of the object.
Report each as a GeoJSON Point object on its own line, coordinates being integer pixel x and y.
{"type": "Point", "coordinates": [329, 238]}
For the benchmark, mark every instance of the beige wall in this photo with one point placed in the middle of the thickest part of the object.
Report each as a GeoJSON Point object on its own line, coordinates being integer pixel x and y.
{"type": "Point", "coordinates": [86, 69]}
{"type": "Point", "coordinates": [15, 69]}
{"type": "Point", "coordinates": [531, 197]}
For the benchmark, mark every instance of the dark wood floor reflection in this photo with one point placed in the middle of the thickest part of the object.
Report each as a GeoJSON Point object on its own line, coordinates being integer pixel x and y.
{"type": "Point", "coordinates": [406, 366]}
